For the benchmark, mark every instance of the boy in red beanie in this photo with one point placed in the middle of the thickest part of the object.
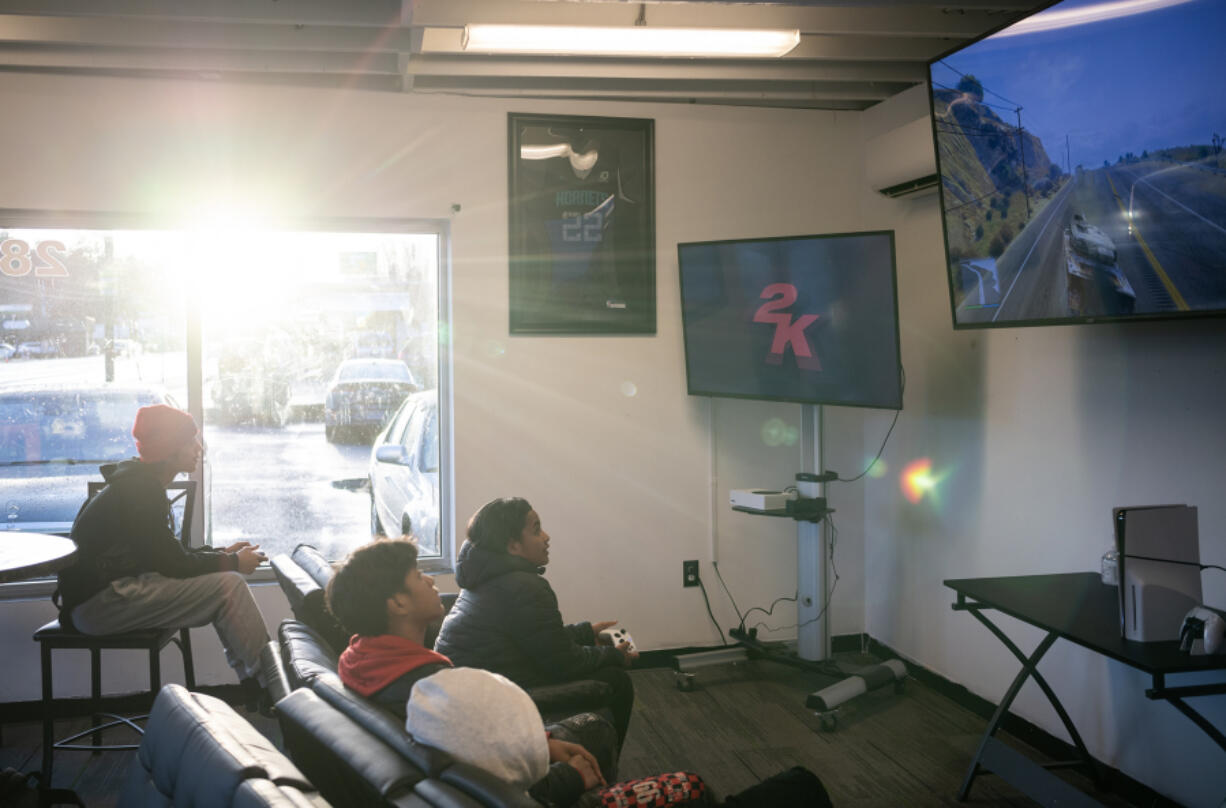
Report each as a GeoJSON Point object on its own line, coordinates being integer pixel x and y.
{"type": "Point", "coordinates": [131, 571]}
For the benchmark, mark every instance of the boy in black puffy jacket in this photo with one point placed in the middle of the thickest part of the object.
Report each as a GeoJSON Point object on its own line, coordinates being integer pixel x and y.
{"type": "Point", "coordinates": [506, 619]}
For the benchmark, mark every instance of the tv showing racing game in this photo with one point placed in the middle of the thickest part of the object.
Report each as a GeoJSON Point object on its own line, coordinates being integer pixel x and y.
{"type": "Point", "coordinates": [812, 319]}
{"type": "Point", "coordinates": [1082, 172]}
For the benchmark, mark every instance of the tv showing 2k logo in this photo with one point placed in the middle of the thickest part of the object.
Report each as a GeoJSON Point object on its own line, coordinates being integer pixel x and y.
{"type": "Point", "coordinates": [788, 331]}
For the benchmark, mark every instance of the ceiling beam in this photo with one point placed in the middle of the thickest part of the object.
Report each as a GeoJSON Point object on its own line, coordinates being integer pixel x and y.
{"type": "Point", "coordinates": [197, 59]}
{"type": "Point", "coordinates": [340, 81]}
{"type": "Point", "coordinates": [784, 100]}
{"type": "Point", "coordinates": [151, 33]}
{"type": "Point", "coordinates": [298, 12]}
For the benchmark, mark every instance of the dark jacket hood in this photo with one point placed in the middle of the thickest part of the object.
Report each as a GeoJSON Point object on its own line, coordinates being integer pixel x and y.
{"type": "Point", "coordinates": [124, 468]}
{"type": "Point", "coordinates": [476, 565]}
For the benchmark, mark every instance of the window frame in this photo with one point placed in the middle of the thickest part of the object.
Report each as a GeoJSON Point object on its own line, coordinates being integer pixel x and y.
{"type": "Point", "coordinates": [21, 219]}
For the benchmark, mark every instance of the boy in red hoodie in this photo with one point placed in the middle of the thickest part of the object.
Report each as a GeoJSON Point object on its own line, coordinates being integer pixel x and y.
{"type": "Point", "coordinates": [381, 595]}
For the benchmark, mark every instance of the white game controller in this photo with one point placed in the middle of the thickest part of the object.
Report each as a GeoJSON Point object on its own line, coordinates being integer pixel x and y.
{"type": "Point", "coordinates": [617, 636]}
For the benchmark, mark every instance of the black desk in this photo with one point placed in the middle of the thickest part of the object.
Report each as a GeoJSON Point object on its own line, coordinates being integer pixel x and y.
{"type": "Point", "coordinates": [1080, 608]}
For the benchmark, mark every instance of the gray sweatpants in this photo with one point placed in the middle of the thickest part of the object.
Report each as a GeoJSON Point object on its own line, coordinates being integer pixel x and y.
{"type": "Point", "coordinates": [152, 600]}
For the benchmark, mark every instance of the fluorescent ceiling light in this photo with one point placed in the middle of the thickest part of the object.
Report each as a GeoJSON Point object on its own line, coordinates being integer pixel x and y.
{"type": "Point", "coordinates": [636, 41]}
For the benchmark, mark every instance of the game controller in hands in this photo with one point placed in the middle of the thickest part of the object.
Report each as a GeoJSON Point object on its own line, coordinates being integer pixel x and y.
{"type": "Point", "coordinates": [617, 636]}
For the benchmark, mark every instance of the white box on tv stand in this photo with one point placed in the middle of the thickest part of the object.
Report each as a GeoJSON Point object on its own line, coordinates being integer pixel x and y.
{"type": "Point", "coordinates": [758, 499]}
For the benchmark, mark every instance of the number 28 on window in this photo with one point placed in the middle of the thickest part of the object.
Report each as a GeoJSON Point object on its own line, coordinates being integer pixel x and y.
{"type": "Point", "coordinates": [46, 260]}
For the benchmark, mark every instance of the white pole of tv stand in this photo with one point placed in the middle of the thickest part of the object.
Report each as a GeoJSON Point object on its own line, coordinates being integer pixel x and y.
{"type": "Point", "coordinates": [812, 619]}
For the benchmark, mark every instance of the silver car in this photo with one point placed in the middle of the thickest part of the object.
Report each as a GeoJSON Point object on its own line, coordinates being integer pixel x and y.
{"type": "Point", "coordinates": [363, 393]}
{"type": "Point", "coordinates": [404, 474]}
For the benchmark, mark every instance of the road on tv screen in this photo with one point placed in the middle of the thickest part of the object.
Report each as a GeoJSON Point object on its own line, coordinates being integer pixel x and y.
{"type": "Point", "coordinates": [1172, 258]}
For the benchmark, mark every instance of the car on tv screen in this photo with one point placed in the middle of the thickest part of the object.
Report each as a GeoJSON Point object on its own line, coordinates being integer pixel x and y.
{"type": "Point", "coordinates": [1081, 163]}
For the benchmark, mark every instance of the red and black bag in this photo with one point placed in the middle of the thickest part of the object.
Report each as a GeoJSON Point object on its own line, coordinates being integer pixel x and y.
{"type": "Point", "coordinates": [674, 788]}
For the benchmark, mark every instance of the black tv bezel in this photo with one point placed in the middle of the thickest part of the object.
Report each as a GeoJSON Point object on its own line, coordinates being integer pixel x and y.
{"type": "Point", "coordinates": [949, 284]}
{"type": "Point", "coordinates": [808, 236]}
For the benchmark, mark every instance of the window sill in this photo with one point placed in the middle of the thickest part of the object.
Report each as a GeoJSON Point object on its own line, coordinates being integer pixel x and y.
{"type": "Point", "coordinates": [435, 566]}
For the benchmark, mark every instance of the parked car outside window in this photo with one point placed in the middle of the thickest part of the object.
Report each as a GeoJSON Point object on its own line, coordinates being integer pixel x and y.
{"type": "Point", "coordinates": [52, 441]}
{"type": "Point", "coordinates": [404, 474]}
{"type": "Point", "coordinates": [364, 393]}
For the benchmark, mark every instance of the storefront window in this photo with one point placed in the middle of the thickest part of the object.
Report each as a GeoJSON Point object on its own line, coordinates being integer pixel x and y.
{"type": "Point", "coordinates": [294, 348]}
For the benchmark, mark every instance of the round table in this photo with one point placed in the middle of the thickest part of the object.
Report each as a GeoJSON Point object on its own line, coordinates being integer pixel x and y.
{"type": "Point", "coordinates": [30, 555]}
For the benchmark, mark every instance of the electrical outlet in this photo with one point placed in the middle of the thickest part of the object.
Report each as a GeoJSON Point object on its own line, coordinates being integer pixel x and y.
{"type": "Point", "coordinates": [689, 573]}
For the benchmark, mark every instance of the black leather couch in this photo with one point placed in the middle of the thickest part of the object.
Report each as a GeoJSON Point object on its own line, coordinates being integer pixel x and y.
{"type": "Point", "coordinates": [312, 644]}
{"type": "Point", "coordinates": [359, 755]}
{"type": "Point", "coordinates": [198, 751]}
{"type": "Point", "coordinates": [355, 752]}
{"type": "Point", "coordinates": [303, 576]}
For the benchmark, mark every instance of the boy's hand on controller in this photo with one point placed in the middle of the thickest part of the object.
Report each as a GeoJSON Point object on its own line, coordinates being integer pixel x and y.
{"type": "Point", "coordinates": [628, 656]}
{"type": "Point", "coordinates": [249, 558]}
{"type": "Point", "coordinates": [601, 626]}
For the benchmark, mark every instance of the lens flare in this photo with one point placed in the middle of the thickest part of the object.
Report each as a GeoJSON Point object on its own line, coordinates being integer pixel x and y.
{"type": "Point", "coordinates": [495, 349]}
{"type": "Point", "coordinates": [917, 480]}
{"type": "Point", "coordinates": [629, 389]}
{"type": "Point", "coordinates": [878, 469]}
{"type": "Point", "coordinates": [774, 432]}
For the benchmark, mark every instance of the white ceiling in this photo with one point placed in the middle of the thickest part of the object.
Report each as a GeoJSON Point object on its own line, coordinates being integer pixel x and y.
{"type": "Point", "coordinates": [851, 54]}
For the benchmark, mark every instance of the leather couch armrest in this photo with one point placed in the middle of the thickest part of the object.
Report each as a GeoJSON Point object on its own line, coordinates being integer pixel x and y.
{"type": "Point", "coordinates": [197, 749]}
{"type": "Point", "coordinates": [305, 654]}
{"type": "Point", "coordinates": [485, 788]}
{"type": "Point", "coordinates": [274, 671]}
{"type": "Point", "coordinates": [293, 579]}
{"type": "Point", "coordinates": [348, 764]}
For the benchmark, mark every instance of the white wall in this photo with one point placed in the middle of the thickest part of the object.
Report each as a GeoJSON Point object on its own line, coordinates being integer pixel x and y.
{"type": "Point", "coordinates": [623, 482]}
{"type": "Point", "coordinates": [1038, 433]}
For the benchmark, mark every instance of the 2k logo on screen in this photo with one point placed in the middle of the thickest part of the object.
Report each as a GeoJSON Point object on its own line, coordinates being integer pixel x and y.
{"type": "Point", "coordinates": [788, 331]}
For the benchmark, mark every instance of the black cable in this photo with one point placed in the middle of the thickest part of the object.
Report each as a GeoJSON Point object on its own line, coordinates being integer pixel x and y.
{"type": "Point", "coordinates": [767, 611]}
{"type": "Point", "coordinates": [834, 540]}
{"type": "Point", "coordinates": [901, 389]}
{"type": "Point", "coordinates": [972, 201]}
{"type": "Point", "coordinates": [985, 89]}
{"type": "Point", "coordinates": [728, 592]}
{"type": "Point", "coordinates": [723, 640]}
{"type": "Point", "coordinates": [1212, 567]}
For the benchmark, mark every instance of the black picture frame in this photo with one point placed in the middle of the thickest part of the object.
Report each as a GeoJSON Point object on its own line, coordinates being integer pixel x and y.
{"type": "Point", "coordinates": [582, 246]}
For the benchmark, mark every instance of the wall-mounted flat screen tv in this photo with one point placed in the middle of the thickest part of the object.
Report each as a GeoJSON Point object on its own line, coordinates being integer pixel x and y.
{"type": "Point", "coordinates": [812, 319]}
{"type": "Point", "coordinates": [1083, 177]}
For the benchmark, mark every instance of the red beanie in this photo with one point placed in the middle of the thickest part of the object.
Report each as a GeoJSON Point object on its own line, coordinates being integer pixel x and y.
{"type": "Point", "coordinates": [161, 430]}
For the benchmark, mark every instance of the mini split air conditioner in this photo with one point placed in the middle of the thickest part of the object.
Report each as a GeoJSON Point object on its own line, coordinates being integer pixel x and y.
{"type": "Point", "coordinates": [900, 162]}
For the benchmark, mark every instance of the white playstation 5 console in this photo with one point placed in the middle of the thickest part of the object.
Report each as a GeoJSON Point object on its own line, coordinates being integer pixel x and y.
{"type": "Point", "coordinates": [1159, 547]}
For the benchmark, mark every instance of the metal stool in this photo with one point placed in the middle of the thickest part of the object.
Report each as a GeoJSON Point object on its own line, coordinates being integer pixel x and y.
{"type": "Point", "coordinates": [53, 636]}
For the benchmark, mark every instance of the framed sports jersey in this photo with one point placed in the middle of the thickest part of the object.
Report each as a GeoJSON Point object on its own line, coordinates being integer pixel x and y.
{"type": "Point", "coordinates": [582, 216]}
